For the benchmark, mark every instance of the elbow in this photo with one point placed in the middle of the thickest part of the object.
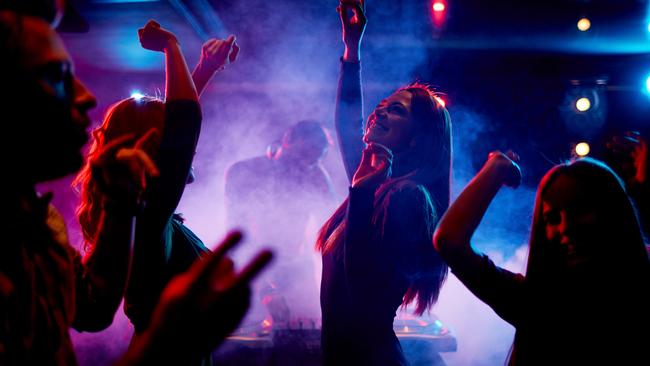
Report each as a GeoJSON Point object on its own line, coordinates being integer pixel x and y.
{"type": "Point", "coordinates": [445, 244]}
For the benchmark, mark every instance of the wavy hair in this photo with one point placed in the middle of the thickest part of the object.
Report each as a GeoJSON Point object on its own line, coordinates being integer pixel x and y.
{"type": "Point", "coordinates": [128, 116]}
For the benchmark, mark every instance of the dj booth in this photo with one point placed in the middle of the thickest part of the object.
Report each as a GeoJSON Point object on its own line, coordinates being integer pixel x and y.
{"type": "Point", "coordinates": [297, 343]}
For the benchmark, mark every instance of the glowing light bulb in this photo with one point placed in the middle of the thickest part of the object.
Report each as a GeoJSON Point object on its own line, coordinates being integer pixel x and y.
{"type": "Point", "coordinates": [583, 104]}
{"type": "Point", "coordinates": [582, 149]}
{"type": "Point", "coordinates": [584, 24]}
{"type": "Point", "coordinates": [438, 6]}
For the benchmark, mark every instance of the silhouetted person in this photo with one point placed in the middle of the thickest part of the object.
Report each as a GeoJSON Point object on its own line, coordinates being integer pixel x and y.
{"type": "Point", "coordinates": [376, 246]}
{"type": "Point", "coordinates": [164, 246]}
{"type": "Point", "coordinates": [583, 299]}
{"type": "Point", "coordinates": [45, 287]}
{"type": "Point", "coordinates": [276, 197]}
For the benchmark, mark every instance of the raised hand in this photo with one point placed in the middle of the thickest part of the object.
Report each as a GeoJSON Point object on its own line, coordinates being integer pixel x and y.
{"type": "Point", "coordinates": [120, 170]}
{"type": "Point", "coordinates": [507, 165]}
{"type": "Point", "coordinates": [217, 53]}
{"type": "Point", "coordinates": [353, 22]}
{"type": "Point", "coordinates": [375, 166]}
{"type": "Point", "coordinates": [154, 38]}
{"type": "Point", "coordinates": [628, 156]}
{"type": "Point", "coordinates": [201, 307]}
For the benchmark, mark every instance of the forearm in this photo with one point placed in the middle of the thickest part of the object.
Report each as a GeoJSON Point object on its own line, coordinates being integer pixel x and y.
{"type": "Point", "coordinates": [452, 238]}
{"type": "Point", "coordinates": [106, 271]}
{"type": "Point", "coordinates": [349, 116]}
{"type": "Point", "coordinates": [179, 84]}
{"type": "Point", "coordinates": [201, 76]}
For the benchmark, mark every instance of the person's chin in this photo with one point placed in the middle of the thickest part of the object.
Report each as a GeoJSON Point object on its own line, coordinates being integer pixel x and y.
{"type": "Point", "coordinates": [370, 138]}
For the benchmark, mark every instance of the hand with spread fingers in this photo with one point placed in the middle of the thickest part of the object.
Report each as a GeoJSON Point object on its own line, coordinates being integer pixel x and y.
{"type": "Point", "coordinates": [199, 308]}
{"type": "Point", "coordinates": [122, 167]}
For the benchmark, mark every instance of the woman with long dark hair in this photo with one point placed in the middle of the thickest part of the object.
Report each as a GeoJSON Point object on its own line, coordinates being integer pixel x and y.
{"type": "Point", "coordinates": [584, 297]}
{"type": "Point", "coordinates": [376, 246]}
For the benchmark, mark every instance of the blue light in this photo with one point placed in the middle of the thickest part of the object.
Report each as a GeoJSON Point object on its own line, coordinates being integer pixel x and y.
{"type": "Point", "coordinates": [647, 85]}
{"type": "Point", "coordinates": [648, 27]}
{"type": "Point", "coordinates": [136, 95]}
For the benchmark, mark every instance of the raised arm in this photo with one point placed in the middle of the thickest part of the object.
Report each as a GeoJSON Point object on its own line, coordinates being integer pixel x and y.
{"type": "Point", "coordinates": [215, 55]}
{"type": "Point", "coordinates": [349, 102]}
{"type": "Point", "coordinates": [179, 84]}
{"type": "Point", "coordinates": [180, 135]}
{"type": "Point", "coordinates": [452, 238]}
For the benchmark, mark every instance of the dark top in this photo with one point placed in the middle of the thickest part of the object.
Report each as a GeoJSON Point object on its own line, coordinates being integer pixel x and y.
{"type": "Point", "coordinates": [44, 286]}
{"type": "Point", "coordinates": [587, 316]}
{"type": "Point", "coordinates": [365, 279]}
{"type": "Point", "coordinates": [164, 247]}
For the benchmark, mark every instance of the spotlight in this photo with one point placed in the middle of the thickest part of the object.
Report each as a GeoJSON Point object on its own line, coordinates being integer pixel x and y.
{"type": "Point", "coordinates": [647, 85]}
{"type": "Point", "coordinates": [136, 95]}
{"type": "Point", "coordinates": [584, 24]}
{"type": "Point", "coordinates": [582, 149]}
{"type": "Point", "coordinates": [583, 104]}
{"type": "Point", "coordinates": [584, 108]}
{"type": "Point", "coordinates": [438, 6]}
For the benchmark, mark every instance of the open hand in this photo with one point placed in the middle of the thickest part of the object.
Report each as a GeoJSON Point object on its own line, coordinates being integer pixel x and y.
{"type": "Point", "coordinates": [199, 308]}
{"type": "Point", "coordinates": [121, 168]}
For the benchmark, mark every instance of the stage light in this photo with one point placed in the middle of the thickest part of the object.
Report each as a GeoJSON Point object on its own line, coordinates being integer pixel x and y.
{"type": "Point", "coordinates": [136, 95]}
{"type": "Point", "coordinates": [583, 104]}
{"type": "Point", "coordinates": [647, 85]}
{"type": "Point", "coordinates": [441, 101]}
{"type": "Point", "coordinates": [438, 6]}
{"type": "Point", "coordinates": [584, 24]}
{"type": "Point", "coordinates": [582, 149]}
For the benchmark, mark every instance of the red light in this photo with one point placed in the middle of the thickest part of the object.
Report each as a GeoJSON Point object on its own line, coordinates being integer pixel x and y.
{"type": "Point", "coordinates": [438, 6]}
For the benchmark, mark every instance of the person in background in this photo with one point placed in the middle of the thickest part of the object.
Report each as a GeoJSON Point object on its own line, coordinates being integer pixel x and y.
{"type": "Point", "coordinates": [588, 274]}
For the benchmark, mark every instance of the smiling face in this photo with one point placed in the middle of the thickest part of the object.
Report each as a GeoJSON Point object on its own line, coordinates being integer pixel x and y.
{"type": "Point", "coordinates": [573, 220]}
{"type": "Point", "coordinates": [390, 124]}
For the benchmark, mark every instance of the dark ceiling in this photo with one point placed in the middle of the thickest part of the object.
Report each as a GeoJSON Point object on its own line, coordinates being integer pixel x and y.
{"type": "Point", "coordinates": [516, 64]}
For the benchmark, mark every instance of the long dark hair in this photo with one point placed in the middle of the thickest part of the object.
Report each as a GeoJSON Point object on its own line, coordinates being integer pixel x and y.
{"type": "Point", "coordinates": [600, 183]}
{"type": "Point", "coordinates": [428, 164]}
